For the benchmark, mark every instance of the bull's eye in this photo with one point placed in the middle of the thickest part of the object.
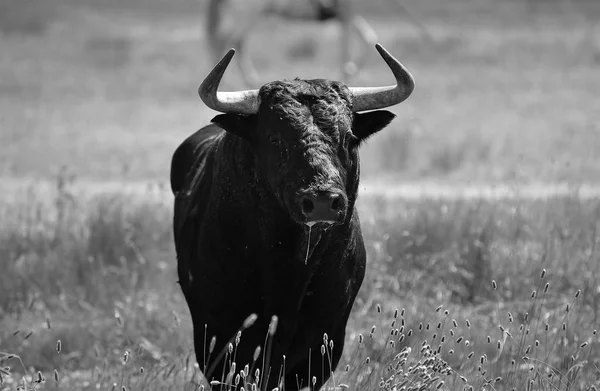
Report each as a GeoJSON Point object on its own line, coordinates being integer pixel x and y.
{"type": "Point", "coordinates": [274, 140]}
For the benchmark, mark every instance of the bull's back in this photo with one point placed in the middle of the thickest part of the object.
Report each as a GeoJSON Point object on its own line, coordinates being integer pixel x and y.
{"type": "Point", "coordinates": [187, 156]}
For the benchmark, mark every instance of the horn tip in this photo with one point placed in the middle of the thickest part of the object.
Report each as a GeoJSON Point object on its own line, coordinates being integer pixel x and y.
{"type": "Point", "coordinates": [229, 55]}
{"type": "Point", "coordinates": [382, 51]}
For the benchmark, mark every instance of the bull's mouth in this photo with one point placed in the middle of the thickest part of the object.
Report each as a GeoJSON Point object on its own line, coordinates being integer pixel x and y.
{"type": "Point", "coordinates": [323, 224]}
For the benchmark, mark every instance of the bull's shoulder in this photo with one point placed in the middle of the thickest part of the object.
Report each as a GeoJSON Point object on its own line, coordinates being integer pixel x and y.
{"type": "Point", "coordinates": [186, 157]}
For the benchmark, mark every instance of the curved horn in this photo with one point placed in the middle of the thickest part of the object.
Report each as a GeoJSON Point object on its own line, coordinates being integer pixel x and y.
{"type": "Point", "coordinates": [372, 98]}
{"type": "Point", "coordinates": [239, 102]}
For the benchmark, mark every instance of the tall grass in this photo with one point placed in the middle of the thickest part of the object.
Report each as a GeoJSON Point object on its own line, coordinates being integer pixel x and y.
{"type": "Point", "coordinates": [458, 294]}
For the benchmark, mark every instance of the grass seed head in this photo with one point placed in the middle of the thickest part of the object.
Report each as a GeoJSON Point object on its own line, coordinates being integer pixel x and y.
{"type": "Point", "coordinates": [211, 346]}
{"type": "Point", "coordinates": [256, 353]}
{"type": "Point", "coordinates": [118, 318]}
{"type": "Point", "coordinates": [249, 321]}
{"type": "Point", "coordinates": [273, 325]}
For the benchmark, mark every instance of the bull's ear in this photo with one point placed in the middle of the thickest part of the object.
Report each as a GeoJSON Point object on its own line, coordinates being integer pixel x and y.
{"type": "Point", "coordinates": [241, 125]}
{"type": "Point", "coordinates": [367, 124]}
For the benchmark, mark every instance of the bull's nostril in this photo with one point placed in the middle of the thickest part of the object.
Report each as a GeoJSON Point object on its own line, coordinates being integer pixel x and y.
{"type": "Point", "coordinates": [307, 205]}
{"type": "Point", "coordinates": [336, 203]}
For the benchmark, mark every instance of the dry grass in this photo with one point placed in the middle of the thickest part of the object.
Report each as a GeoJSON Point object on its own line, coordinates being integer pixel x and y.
{"type": "Point", "coordinates": [451, 280]}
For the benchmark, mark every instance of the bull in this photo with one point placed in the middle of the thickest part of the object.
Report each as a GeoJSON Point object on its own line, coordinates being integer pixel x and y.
{"type": "Point", "coordinates": [265, 220]}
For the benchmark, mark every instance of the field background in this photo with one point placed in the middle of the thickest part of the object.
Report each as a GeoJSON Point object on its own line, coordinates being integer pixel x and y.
{"type": "Point", "coordinates": [96, 94]}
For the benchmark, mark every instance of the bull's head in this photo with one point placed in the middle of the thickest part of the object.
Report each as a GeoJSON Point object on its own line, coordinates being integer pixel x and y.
{"type": "Point", "coordinates": [306, 134]}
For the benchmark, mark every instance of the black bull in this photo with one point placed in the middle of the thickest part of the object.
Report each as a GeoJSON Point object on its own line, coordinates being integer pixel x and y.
{"type": "Point", "coordinates": [265, 221]}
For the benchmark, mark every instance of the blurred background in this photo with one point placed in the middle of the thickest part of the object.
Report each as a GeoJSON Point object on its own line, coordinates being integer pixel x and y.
{"type": "Point", "coordinates": [506, 89]}
{"type": "Point", "coordinates": [95, 95]}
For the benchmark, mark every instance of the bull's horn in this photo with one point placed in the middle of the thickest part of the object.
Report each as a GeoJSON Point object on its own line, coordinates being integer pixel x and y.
{"type": "Point", "coordinates": [372, 98]}
{"type": "Point", "coordinates": [239, 102]}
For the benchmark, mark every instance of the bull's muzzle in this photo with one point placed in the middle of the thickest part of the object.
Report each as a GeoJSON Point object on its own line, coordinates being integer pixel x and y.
{"type": "Point", "coordinates": [322, 207]}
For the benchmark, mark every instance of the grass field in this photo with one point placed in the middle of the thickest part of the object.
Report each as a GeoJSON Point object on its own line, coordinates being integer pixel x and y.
{"type": "Point", "coordinates": [93, 93]}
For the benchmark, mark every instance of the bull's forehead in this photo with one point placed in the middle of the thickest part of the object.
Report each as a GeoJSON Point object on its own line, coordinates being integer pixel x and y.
{"type": "Point", "coordinates": [300, 106]}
